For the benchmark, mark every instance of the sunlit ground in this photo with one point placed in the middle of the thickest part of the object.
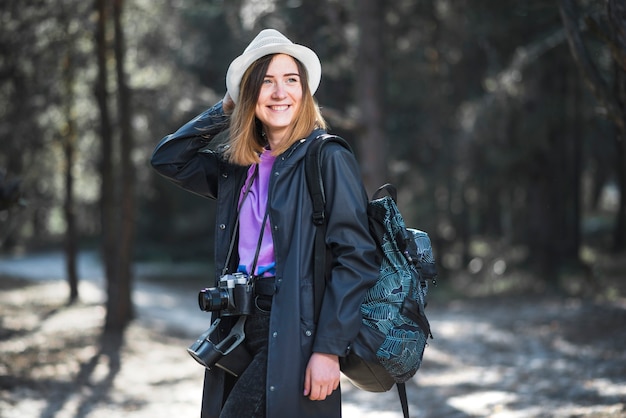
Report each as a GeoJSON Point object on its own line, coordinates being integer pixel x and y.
{"type": "Point", "coordinates": [521, 356]}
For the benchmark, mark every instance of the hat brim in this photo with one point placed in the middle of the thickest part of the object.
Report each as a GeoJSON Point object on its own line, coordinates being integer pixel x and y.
{"type": "Point", "coordinates": [306, 56]}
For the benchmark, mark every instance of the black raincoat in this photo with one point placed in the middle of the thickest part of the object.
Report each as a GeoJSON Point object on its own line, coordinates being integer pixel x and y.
{"type": "Point", "coordinates": [189, 160]}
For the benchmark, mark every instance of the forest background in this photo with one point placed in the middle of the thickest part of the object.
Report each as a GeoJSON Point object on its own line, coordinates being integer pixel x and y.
{"type": "Point", "coordinates": [501, 123]}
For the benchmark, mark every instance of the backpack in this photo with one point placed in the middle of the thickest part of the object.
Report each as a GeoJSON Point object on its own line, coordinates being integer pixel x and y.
{"type": "Point", "coordinates": [390, 345]}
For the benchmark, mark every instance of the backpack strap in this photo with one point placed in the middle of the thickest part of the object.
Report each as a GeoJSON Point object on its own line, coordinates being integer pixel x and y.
{"type": "Point", "coordinates": [390, 189]}
{"type": "Point", "coordinates": [404, 401]}
{"type": "Point", "coordinates": [313, 173]}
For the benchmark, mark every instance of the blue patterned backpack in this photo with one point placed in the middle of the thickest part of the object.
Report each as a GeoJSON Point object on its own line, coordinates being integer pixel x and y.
{"type": "Point", "coordinates": [394, 332]}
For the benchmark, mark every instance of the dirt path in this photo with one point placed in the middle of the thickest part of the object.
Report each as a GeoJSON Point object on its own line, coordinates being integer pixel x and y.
{"type": "Point", "coordinates": [490, 358]}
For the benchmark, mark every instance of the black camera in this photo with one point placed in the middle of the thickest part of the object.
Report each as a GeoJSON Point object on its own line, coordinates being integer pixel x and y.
{"type": "Point", "coordinates": [234, 296]}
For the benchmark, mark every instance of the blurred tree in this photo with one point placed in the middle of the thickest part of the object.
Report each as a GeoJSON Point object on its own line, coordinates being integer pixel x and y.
{"type": "Point", "coordinates": [612, 98]}
{"type": "Point", "coordinates": [29, 44]}
{"type": "Point", "coordinates": [69, 138]}
{"type": "Point", "coordinates": [72, 57]}
{"type": "Point", "coordinates": [9, 192]}
{"type": "Point", "coordinates": [119, 306]}
{"type": "Point", "coordinates": [474, 94]}
{"type": "Point", "coordinates": [118, 177]}
{"type": "Point", "coordinates": [38, 91]}
{"type": "Point", "coordinates": [370, 94]}
{"type": "Point", "coordinates": [9, 199]}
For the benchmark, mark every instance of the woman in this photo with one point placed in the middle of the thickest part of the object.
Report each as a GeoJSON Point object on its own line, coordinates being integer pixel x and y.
{"type": "Point", "coordinates": [257, 178]}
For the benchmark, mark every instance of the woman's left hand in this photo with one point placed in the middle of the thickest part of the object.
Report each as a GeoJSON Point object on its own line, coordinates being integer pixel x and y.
{"type": "Point", "coordinates": [322, 376]}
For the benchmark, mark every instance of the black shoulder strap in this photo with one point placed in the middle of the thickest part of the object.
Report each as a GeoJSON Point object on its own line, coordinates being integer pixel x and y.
{"type": "Point", "coordinates": [404, 401]}
{"type": "Point", "coordinates": [313, 173]}
{"type": "Point", "coordinates": [389, 188]}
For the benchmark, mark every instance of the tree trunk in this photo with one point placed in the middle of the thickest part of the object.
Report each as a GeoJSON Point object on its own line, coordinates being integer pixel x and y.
{"type": "Point", "coordinates": [69, 151]}
{"type": "Point", "coordinates": [119, 303]}
{"type": "Point", "coordinates": [109, 224]}
{"type": "Point", "coordinates": [370, 93]}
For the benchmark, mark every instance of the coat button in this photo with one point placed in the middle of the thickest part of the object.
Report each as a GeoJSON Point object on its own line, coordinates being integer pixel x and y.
{"type": "Point", "coordinates": [222, 226]}
{"type": "Point", "coordinates": [275, 334]}
{"type": "Point", "coordinates": [225, 175]}
{"type": "Point", "coordinates": [272, 388]}
{"type": "Point", "coordinates": [308, 333]}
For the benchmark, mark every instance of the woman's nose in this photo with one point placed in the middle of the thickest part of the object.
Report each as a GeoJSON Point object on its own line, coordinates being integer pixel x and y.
{"type": "Point", "coordinates": [279, 90]}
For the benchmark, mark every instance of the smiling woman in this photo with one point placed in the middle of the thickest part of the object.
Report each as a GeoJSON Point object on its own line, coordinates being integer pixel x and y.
{"type": "Point", "coordinates": [265, 237]}
{"type": "Point", "coordinates": [246, 81]}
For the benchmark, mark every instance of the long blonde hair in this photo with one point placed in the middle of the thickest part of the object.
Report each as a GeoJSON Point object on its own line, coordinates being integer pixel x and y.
{"type": "Point", "coordinates": [246, 132]}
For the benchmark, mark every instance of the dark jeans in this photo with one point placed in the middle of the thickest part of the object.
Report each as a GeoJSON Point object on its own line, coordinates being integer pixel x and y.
{"type": "Point", "coordinates": [247, 398]}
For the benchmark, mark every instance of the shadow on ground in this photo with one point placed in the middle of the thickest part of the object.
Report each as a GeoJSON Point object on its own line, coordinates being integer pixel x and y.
{"type": "Point", "coordinates": [514, 356]}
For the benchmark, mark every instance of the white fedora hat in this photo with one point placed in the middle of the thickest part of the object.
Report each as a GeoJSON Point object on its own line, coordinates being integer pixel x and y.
{"type": "Point", "coordinates": [271, 41]}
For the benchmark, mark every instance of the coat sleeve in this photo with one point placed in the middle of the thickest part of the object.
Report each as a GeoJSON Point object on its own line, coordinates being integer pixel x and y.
{"type": "Point", "coordinates": [184, 157]}
{"type": "Point", "coordinates": [354, 268]}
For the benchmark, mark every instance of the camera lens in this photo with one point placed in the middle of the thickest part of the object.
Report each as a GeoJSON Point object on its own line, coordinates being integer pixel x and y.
{"type": "Point", "coordinates": [213, 299]}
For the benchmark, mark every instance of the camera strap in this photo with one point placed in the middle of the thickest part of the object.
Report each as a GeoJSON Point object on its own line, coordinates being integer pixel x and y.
{"type": "Point", "coordinates": [258, 245]}
{"type": "Point", "coordinates": [236, 229]}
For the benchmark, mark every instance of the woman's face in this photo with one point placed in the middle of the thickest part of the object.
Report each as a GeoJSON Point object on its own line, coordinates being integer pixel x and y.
{"type": "Point", "coordinates": [280, 97]}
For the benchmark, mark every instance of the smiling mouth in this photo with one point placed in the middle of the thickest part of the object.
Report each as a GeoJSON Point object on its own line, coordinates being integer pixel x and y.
{"type": "Point", "coordinates": [279, 108]}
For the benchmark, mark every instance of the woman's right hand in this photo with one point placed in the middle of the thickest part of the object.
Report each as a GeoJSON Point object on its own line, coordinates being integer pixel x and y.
{"type": "Point", "coordinates": [321, 377]}
{"type": "Point", "coordinates": [227, 104]}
